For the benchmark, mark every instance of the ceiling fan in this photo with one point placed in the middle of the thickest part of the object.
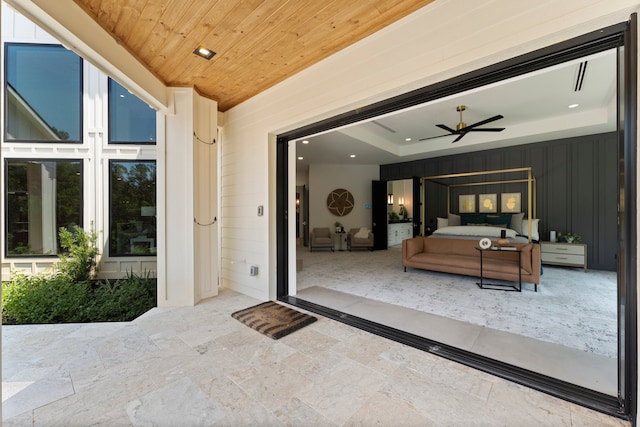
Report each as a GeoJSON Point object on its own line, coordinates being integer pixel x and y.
{"type": "Point", "coordinates": [462, 129]}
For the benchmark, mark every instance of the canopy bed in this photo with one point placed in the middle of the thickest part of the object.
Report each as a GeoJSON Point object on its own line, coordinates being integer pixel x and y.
{"type": "Point", "coordinates": [453, 246]}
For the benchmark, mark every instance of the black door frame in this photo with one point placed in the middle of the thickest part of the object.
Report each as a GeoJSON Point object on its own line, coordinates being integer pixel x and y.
{"type": "Point", "coordinates": [616, 36]}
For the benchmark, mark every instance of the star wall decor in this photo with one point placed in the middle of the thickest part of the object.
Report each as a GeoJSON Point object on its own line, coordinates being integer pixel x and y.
{"type": "Point", "coordinates": [340, 202]}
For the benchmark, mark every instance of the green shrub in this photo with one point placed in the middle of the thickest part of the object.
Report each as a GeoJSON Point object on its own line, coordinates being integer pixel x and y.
{"type": "Point", "coordinates": [70, 296]}
{"type": "Point", "coordinates": [79, 261]}
{"type": "Point", "coordinates": [123, 300]}
{"type": "Point", "coordinates": [55, 299]}
{"type": "Point", "coordinates": [43, 299]}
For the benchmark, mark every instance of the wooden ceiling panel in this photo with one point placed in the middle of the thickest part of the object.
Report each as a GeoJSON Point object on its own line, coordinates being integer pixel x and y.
{"type": "Point", "coordinates": [259, 43]}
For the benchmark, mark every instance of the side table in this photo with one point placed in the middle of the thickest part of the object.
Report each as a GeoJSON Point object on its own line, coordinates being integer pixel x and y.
{"type": "Point", "coordinates": [340, 241]}
{"type": "Point", "coordinates": [501, 286]}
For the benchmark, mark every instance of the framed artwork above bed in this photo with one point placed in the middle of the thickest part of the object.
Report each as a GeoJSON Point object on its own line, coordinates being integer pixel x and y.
{"type": "Point", "coordinates": [467, 203]}
{"type": "Point", "coordinates": [488, 203]}
{"type": "Point", "coordinates": [510, 202]}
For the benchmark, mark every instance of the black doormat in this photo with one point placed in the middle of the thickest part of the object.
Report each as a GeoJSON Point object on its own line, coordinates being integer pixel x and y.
{"type": "Point", "coordinates": [273, 320]}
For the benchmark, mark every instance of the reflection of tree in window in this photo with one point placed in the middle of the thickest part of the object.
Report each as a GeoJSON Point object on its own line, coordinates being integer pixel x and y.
{"type": "Point", "coordinates": [42, 196]}
{"type": "Point", "coordinates": [133, 201]}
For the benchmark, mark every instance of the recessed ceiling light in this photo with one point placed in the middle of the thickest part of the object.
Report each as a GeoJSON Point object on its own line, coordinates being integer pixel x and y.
{"type": "Point", "coordinates": [203, 52]}
{"type": "Point", "coordinates": [305, 142]}
{"type": "Point", "coordinates": [352, 156]}
{"type": "Point", "coordinates": [407, 139]}
{"type": "Point", "coordinates": [300, 158]}
{"type": "Point", "coordinates": [573, 105]}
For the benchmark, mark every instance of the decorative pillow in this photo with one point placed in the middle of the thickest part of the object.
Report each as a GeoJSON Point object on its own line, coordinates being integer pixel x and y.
{"type": "Point", "coordinates": [535, 235]}
{"type": "Point", "coordinates": [516, 222]}
{"type": "Point", "coordinates": [498, 225]}
{"type": "Point", "coordinates": [499, 219]}
{"type": "Point", "coordinates": [442, 222]}
{"type": "Point", "coordinates": [454, 220]}
{"type": "Point", "coordinates": [472, 219]}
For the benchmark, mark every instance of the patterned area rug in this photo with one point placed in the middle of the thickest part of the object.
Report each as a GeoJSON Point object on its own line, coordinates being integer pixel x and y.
{"type": "Point", "coordinates": [571, 307]}
{"type": "Point", "coordinates": [273, 320]}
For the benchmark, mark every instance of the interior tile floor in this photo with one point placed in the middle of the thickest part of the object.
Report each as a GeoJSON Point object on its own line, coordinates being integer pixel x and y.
{"type": "Point", "coordinates": [197, 366]}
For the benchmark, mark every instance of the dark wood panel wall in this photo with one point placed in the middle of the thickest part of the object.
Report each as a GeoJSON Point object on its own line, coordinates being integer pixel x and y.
{"type": "Point", "coordinates": [576, 187]}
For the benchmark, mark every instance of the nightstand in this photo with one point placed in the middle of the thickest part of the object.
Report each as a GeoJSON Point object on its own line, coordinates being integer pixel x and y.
{"type": "Point", "coordinates": [566, 254]}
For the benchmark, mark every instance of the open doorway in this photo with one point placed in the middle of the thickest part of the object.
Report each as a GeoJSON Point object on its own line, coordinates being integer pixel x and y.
{"type": "Point", "coordinates": [601, 146]}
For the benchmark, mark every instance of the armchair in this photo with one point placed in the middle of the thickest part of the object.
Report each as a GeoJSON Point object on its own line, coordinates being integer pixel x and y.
{"type": "Point", "coordinates": [321, 238]}
{"type": "Point", "coordinates": [355, 238]}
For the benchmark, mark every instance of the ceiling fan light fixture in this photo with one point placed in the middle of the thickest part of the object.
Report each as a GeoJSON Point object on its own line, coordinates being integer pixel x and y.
{"type": "Point", "coordinates": [203, 52]}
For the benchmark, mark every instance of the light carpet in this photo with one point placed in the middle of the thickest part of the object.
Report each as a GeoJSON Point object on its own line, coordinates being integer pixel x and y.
{"type": "Point", "coordinates": [572, 307]}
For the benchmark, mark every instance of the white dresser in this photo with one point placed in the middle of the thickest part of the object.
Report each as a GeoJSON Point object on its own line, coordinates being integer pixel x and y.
{"type": "Point", "coordinates": [397, 232]}
{"type": "Point", "coordinates": [568, 254]}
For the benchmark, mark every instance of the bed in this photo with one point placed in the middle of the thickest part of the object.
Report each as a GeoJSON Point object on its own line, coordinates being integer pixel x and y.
{"type": "Point", "coordinates": [453, 246]}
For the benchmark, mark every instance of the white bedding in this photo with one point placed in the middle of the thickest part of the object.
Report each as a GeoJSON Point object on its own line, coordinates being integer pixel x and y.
{"type": "Point", "coordinates": [475, 230]}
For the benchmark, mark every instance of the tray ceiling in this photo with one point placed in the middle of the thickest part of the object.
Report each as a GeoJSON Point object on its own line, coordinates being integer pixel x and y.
{"type": "Point", "coordinates": [258, 43]}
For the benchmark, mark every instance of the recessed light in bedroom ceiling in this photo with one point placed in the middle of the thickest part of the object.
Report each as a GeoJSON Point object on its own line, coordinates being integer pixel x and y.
{"type": "Point", "coordinates": [305, 142]}
{"type": "Point", "coordinates": [407, 139]}
{"type": "Point", "coordinates": [573, 105]}
{"type": "Point", "coordinates": [300, 158]}
{"type": "Point", "coordinates": [352, 156]}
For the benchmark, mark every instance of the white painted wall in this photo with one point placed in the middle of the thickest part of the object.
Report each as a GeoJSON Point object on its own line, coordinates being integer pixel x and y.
{"type": "Point", "coordinates": [323, 179]}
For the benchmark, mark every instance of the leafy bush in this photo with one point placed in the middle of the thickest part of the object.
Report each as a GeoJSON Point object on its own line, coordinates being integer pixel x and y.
{"type": "Point", "coordinates": [80, 263]}
{"type": "Point", "coordinates": [123, 300]}
{"type": "Point", "coordinates": [70, 296]}
{"type": "Point", "coordinates": [43, 299]}
{"type": "Point", "coordinates": [55, 299]}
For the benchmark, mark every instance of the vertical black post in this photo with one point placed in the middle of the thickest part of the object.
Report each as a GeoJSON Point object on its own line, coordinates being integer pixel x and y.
{"type": "Point", "coordinates": [282, 215]}
{"type": "Point", "coordinates": [379, 214]}
{"type": "Point", "coordinates": [417, 207]}
{"type": "Point", "coordinates": [627, 250]}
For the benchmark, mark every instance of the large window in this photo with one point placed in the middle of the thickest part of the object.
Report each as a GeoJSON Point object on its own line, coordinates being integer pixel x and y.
{"type": "Point", "coordinates": [133, 207]}
{"type": "Point", "coordinates": [131, 121]}
{"type": "Point", "coordinates": [43, 94]}
{"type": "Point", "coordinates": [42, 196]}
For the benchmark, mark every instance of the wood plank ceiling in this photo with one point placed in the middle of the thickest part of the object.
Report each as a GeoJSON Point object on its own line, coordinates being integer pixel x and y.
{"type": "Point", "coordinates": [259, 43]}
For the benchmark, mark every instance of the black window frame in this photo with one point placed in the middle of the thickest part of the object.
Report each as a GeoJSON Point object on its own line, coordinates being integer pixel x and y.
{"type": "Point", "coordinates": [5, 189]}
{"type": "Point", "coordinates": [7, 46]}
{"type": "Point", "coordinates": [110, 122]}
{"type": "Point", "coordinates": [110, 182]}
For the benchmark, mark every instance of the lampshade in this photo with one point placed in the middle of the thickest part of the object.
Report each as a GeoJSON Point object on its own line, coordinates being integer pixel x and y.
{"type": "Point", "coordinates": [390, 199]}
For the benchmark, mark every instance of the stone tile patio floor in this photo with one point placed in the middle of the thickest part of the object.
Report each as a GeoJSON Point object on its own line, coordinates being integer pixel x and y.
{"type": "Point", "coordinates": [197, 366]}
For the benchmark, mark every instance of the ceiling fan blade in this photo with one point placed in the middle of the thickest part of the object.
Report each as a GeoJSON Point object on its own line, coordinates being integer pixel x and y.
{"type": "Point", "coordinates": [483, 122]}
{"type": "Point", "coordinates": [433, 137]}
{"type": "Point", "coordinates": [447, 128]}
{"type": "Point", "coordinates": [485, 130]}
{"type": "Point", "coordinates": [459, 137]}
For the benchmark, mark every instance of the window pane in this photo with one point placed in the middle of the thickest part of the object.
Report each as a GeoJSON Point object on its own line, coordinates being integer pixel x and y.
{"type": "Point", "coordinates": [42, 196]}
{"type": "Point", "coordinates": [43, 94]}
{"type": "Point", "coordinates": [131, 121]}
{"type": "Point", "coordinates": [133, 208]}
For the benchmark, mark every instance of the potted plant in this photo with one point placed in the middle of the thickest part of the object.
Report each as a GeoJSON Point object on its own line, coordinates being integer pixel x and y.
{"type": "Point", "coordinates": [569, 238]}
{"type": "Point", "coordinates": [338, 227]}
